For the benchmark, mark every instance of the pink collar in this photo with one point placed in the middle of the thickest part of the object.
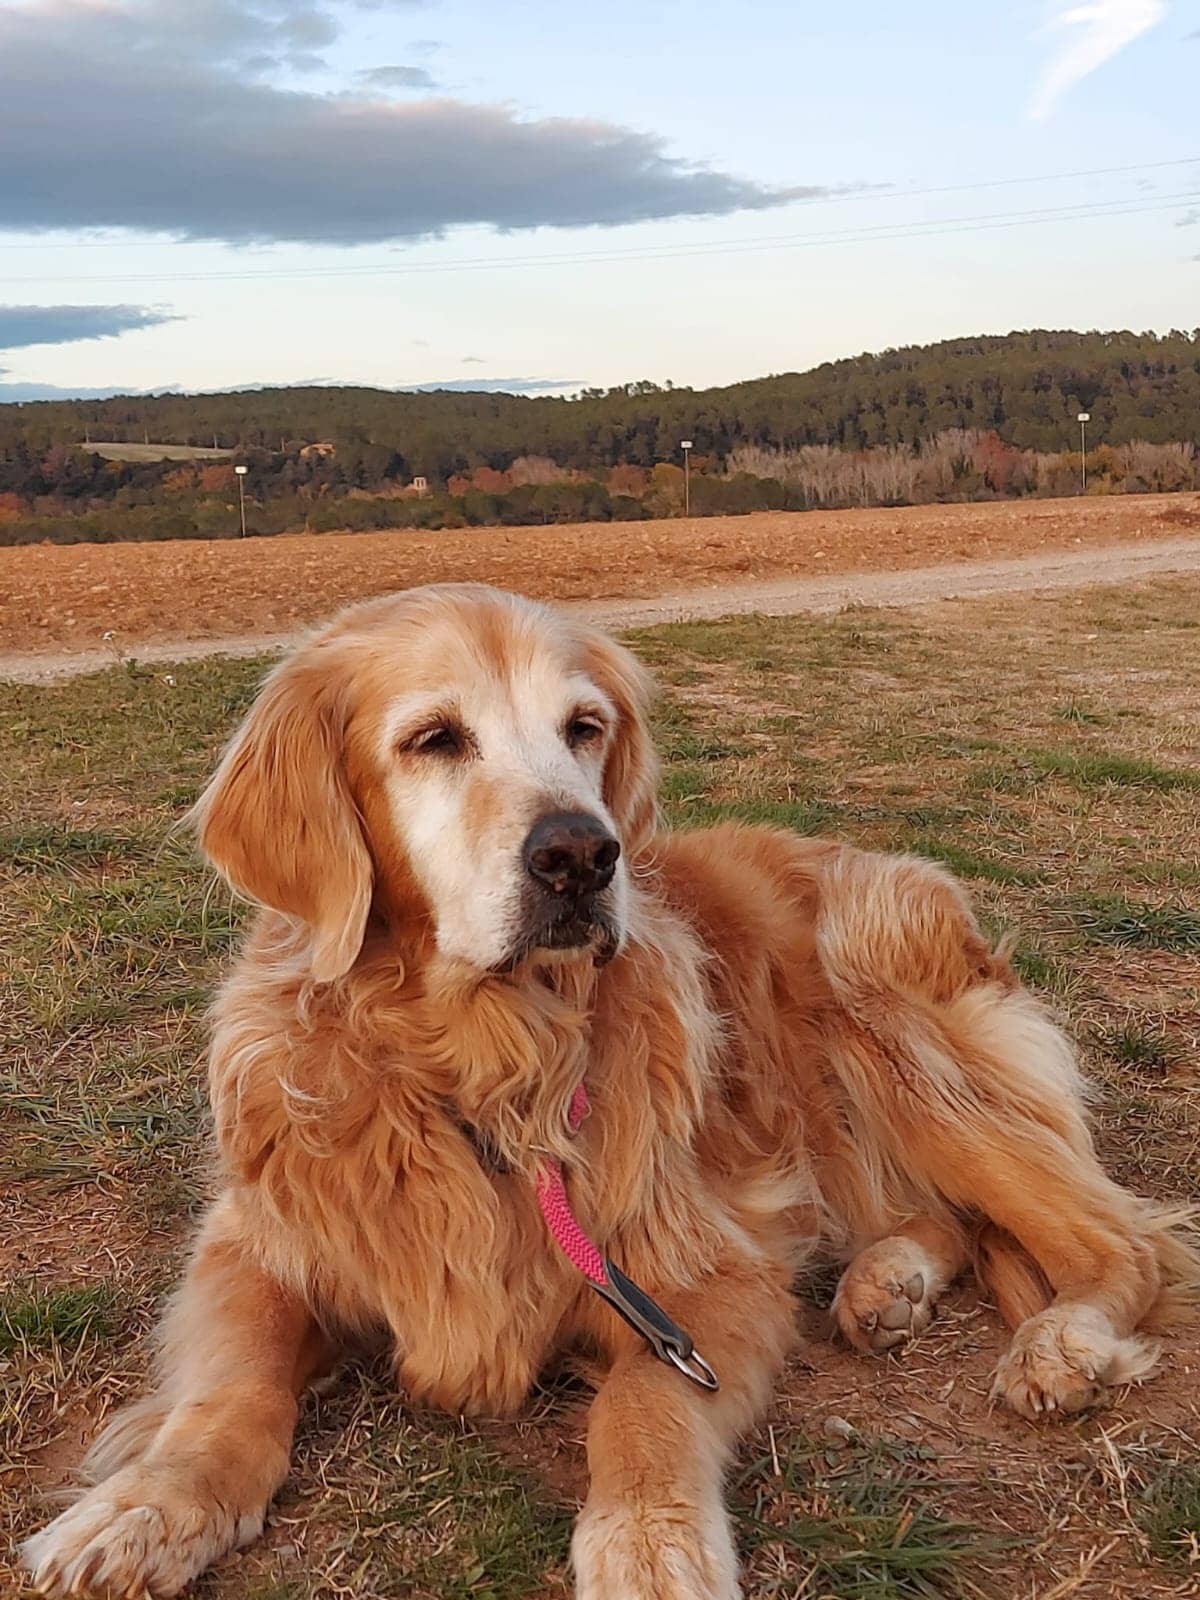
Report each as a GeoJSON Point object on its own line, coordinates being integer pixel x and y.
{"type": "Point", "coordinates": [668, 1341]}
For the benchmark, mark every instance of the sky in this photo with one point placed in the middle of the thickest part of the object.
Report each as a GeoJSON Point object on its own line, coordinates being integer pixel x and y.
{"type": "Point", "coordinates": [206, 194]}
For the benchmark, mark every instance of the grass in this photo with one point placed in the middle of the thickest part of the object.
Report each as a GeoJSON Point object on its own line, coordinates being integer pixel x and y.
{"type": "Point", "coordinates": [1091, 769]}
{"type": "Point", "coordinates": [1113, 919]}
{"type": "Point", "coordinates": [122, 451]}
{"type": "Point", "coordinates": [1042, 972]}
{"type": "Point", "coordinates": [1169, 1514]}
{"type": "Point", "coordinates": [971, 864]}
{"type": "Point", "coordinates": [857, 1525]}
{"type": "Point", "coordinates": [36, 1319]}
{"type": "Point", "coordinates": [1148, 1052]}
{"type": "Point", "coordinates": [428, 1506]}
{"type": "Point", "coordinates": [1048, 760]}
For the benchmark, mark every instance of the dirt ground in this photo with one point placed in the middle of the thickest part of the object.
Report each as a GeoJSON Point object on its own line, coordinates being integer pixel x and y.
{"type": "Point", "coordinates": [69, 597]}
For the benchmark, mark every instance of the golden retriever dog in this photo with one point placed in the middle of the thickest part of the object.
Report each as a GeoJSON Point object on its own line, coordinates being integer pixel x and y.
{"type": "Point", "coordinates": [444, 805]}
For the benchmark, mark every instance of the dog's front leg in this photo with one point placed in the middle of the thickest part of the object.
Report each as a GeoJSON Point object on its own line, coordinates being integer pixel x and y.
{"type": "Point", "coordinates": [187, 1474]}
{"type": "Point", "coordinates": [655, 1525]}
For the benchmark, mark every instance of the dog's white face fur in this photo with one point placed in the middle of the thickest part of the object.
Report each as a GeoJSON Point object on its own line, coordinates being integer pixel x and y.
{"type": "Point", "coordinates": [469, 770]}
{"type": "Point", "coordinates": [400, 761]}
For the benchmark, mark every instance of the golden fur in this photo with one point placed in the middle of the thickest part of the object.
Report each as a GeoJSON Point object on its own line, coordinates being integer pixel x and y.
{"type": "Point", "coordinates": [797, 1046]}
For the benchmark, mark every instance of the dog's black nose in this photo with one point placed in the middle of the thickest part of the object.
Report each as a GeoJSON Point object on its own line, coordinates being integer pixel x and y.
{"type": "Point", "coordinates": [571, 853]}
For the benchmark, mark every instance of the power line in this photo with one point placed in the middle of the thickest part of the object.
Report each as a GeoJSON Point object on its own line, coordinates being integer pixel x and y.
{"type": "Point", "coordinates": [879, 233]}
{"type": "Point", "coordinates": [868, 194]}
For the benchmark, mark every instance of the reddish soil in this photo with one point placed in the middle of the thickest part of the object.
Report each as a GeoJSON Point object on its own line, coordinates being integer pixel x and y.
{"type": "Point", "coordinates": [56, 597]}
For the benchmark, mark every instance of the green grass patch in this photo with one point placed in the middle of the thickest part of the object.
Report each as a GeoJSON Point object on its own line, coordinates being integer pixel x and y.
{"type": "Point", "coordinates": [1041, 971]}
{"type": "Point", "coordinates": [133, 737]}
{"type": "Point", "coordinates": [1169, 1514]}
{"type": "Point", "coordinates": [56, 847]}
{"type": "Point", "coordinates": [1152, 1054]}
{"type": "Point", "coordinates": [32, 1318]}
{"type": "Point", "coordinates": [1072, 711]}
{"type": "Point", "coordinates": [1089, 771]}
{"type": "Point", "coordinates": [801, 816]}
{"type": "Point", "coordinates": [1112, 919]}
{"type": "Point", "coordinates": [450, 1519]}
{"type": "Point", "coordinates": [860, 1524]}
{"type": "Point", "coordinates": [684, 786]}
{"type": "Point", "coordinates": [970, 864]}
{"type": "Point", "coordinates": [690, 746]}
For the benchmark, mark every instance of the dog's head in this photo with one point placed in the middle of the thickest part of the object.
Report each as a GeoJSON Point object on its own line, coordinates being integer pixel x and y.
{"type": "Point", "coordinates": [455, 758]}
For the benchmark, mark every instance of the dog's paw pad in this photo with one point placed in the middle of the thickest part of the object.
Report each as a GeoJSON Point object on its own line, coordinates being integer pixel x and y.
{"type": "Point", "coordinates": [876, 1307]}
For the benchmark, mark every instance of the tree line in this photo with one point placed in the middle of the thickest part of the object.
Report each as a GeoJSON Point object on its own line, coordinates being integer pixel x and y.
{"type": "Point", "coordinates": [960, 419]}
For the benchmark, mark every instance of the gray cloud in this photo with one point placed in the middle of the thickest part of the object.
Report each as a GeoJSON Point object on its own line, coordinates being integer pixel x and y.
{"type": "Point", "coordinates": [129, 116]}
{"type": "Point", "coordinates": [27, 325]}
{"type": "Point", "coordinates": [396, 78]}
{"type": "Point", "coordinates": [254, 34]}
{"type": "Point", "coordinates": [23, 393]}
{"type": "Point", "coordinates": [1189, 218]}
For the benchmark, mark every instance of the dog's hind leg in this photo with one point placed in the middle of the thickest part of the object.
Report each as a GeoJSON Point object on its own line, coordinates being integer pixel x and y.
{"type": "Point", "coordinates": [188, 1474]}
{"type": "Point", "coordinates": [887, 1294]}
{"type": "Point", "coordinates": [959, 1081]}
{"type": "Point", "coordinates": [980, 1105]}
{"type": "Point", "coordinates": [982, 1112]}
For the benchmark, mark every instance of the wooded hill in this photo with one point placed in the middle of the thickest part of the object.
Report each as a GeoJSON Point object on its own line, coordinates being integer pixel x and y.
{"type": "Point", "coordinates": [1026, 387]}
{"type": "Point", "coordinates": [1022, 391]}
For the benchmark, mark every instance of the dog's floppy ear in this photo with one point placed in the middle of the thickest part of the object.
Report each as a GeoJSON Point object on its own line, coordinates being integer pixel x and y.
{"type": "Point", "coordinates": [278, 820]}
{"type": "Point", "coordinates": [631, 771]}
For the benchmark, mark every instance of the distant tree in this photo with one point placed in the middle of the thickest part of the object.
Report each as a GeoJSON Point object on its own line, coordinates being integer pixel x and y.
{"type": "Point", "coordinates": [535, 469]}
{"type": "Point", "coordinates": [216, 478]}
{"type": "Point", "coordinates": [627, 480]}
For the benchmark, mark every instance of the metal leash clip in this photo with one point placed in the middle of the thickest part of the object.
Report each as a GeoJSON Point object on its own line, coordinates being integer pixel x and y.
{"type": "Point", "coordinates": [645, 1316]}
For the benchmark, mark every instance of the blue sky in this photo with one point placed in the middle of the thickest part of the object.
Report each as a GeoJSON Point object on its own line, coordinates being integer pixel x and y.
{"type": "Point", "coordinates": [207, 193]}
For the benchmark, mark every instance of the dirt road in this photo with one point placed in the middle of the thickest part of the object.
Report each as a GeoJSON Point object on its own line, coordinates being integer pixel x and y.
{"type": "Point", "coordinates": [1044, 572]}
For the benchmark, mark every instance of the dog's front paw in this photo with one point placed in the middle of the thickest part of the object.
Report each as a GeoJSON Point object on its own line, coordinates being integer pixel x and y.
{"type": "Point", "coordinates": [1064, 1358]}
{"type": "Point", "coordinates": [145, 1531]}
{"type": "Point", "coordinates": [678, 1552]}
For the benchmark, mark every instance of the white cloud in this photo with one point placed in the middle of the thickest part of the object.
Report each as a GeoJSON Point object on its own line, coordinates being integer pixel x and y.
{"type": "Point", "coordinates": [1092, 34]}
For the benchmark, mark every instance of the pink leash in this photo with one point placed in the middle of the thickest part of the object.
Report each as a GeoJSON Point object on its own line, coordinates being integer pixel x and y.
{"type": "Point", "coordinates": [668, 1341]}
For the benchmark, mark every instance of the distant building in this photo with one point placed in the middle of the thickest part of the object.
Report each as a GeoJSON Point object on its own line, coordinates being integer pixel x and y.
{"type": "Point", "coordinates": [321, 448]}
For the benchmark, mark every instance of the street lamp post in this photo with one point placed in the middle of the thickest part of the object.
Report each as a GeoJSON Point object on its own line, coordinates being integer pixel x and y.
{"type": "Point", "coordinates": [686, 446]}
{"type": "Point", "coordinates": [1083, 419]}
{"type": "Point", "coordinates": [241, 478]}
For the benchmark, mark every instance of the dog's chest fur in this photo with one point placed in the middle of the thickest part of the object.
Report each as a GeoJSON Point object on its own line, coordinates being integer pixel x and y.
{"type": "Point", "coordinates": [395, 1186]}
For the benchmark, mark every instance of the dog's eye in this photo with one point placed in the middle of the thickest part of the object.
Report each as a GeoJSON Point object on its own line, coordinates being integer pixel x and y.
{"type": "Point", "coordinates": [444, 740]}
{"type": "Point", "coordinates": [584, 729]}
